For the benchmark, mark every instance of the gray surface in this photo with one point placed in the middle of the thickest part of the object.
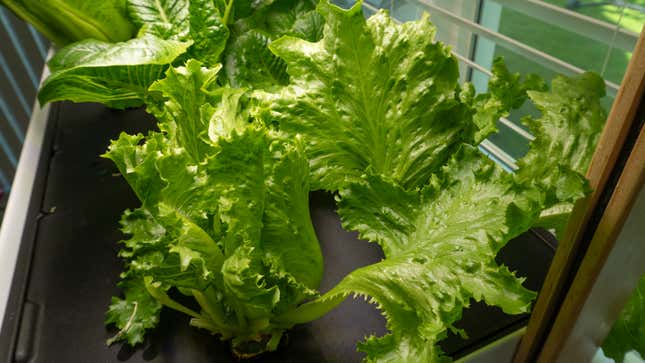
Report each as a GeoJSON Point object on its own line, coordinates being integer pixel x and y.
{"type": "Point", "coordinates": [500, 351]}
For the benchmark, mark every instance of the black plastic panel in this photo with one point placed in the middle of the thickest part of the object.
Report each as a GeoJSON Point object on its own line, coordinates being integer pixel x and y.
{"type": "Point", "coordinates": [74, 268]}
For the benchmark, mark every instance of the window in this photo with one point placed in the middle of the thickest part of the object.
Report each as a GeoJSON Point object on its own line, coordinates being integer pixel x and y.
{"type": "Point", "coordinates": [533, 36]}
{"type": "Point", "coordinates": [22, 55]}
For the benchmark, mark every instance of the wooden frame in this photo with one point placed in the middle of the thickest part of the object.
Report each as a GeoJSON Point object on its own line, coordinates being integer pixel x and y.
{"type": "Point", "coordinates": [627, 190]}
{"type": "Point", "coordinates": [574, 244]}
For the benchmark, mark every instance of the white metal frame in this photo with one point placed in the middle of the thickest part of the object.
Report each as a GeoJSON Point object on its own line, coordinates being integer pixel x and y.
{"type": "Point", "coordinates": [13, 223]}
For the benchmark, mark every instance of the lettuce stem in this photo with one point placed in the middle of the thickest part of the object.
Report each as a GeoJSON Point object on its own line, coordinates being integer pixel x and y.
{"type": "Point", "coordinates": [227, 12]}
{"type": "Point", "coordinates": [211, 308]}
{"type": "Point", "coordinates": [165, 300]}
{"type": "Point", "coordinates": [312, 310]}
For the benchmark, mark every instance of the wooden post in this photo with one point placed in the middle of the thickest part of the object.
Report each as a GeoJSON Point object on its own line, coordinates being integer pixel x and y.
{"type": "Point", "coordinates": [611, 142]}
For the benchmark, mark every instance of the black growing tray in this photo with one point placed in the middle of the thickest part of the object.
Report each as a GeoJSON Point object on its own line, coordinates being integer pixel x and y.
{"type": "Point", "coordinates": [68, 267]}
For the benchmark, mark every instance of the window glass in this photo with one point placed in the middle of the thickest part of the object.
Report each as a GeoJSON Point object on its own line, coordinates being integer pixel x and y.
{"type": "Point", "coordinates": [22, 55]}
{"type": "Point", "coordinates": [559, 39]}
{"type": "Point", "coordinates": [626, 340]}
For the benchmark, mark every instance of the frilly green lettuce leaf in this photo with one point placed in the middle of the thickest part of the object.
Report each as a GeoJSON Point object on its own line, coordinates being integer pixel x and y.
{"type": "Point", "coordinates": [224, 211]}
{"type": "Point", "coordinates": [237, 172]}
{"type": "Point", "coordinates": [505, 92]}
{"type": "Point", "coordinates": [370, 94]}
{"type": "Point", "coordinates": [457, 224]}
{"type": "Point", "coordinates": [245, 283]}
{"type": "Point", "coordinates": [228, 115]}
{"type": "Point", "coordinates": [145, 233]}
{"type": "Point", "coordinates": [383, 117]}
{"type": "Point", "coordinates": [134, 314]}
{"type": "Point", "coordinates": [286, 213]}
{"type": "Point", "coordinates": [440, 245]}
{"type": "Point", "coordinates": [137, 164]}
{"type": "Point", "coordinates": [565, 136]}
{"type": "Point", "coordinates": [183, 114]}
{"type": "Point", "coordinates": [170, 236]}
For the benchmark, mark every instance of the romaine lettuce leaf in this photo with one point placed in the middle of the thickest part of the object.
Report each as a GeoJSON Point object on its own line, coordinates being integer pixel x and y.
{"type": "Point", "coordinates": [68, 21]}
{"type": "Point", "coordinates": [163, 17]}
{"type": "Point", "coordinates": [198, 21]}
{"type": "Point", "coordinates": [248, 61]}
{"type": "Point", "coordinates": [117, 75]}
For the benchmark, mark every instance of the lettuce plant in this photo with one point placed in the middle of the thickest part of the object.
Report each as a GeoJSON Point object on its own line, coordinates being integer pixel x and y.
{"type": "Point", "coordinates": [258, 103]}
{"type": "Point", "coordinates": [171, 32]}
{"type": "Point", "coordinates": [389, 127]}
{"type": "Point", "coordinates": [628, 333]}
{"type": "Point", "coordinates": [224, 217]}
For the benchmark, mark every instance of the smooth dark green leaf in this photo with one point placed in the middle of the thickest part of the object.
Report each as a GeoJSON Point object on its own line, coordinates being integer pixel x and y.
{"type": "Point", "coordinates": [161, 17]}
{"type": "Point", "coordinates": [69, 21]}
{"type": "Point", "coordinates": [628, 332]}
{"type": "Point", "coordinates": [249, 63]}
{"type": "Point", "coordinates": [117, 75]}
{"type": "Point", "coordinates": [244, 8]}
{"type": "Point", "coordinates": [77, 54]}
{"type": "Point", "coordinates": [207, 31]}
